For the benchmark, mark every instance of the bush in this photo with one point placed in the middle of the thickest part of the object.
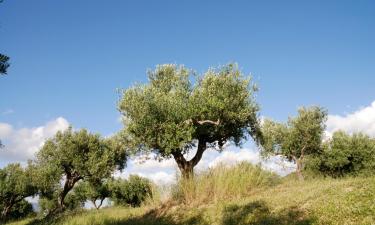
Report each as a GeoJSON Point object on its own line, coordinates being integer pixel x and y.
{"type": "Point", "coordinates": [20, 210]}
{"type": "Point", "coordinates": [224, 182]}
{"type": "Point", "coordinates": [344, 155]}
{"type": "Point", "coordinates": [50, 204]}
{"type": "Point", "coordinates": [133, 191]}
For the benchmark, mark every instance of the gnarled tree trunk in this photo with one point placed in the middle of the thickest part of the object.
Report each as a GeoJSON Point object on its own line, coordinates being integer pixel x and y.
{"type": "Point", "coordinates": [187, 167]}
{"type": "Point", "coordinates": [71, 179]}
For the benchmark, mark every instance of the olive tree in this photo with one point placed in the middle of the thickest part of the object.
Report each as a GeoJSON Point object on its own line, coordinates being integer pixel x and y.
{"type": "Point", "coordinates": [16, 184]}
{"type": "Point", "coordinates": [294, 140]}
{"type": "Point", "coordinates": [96, 192]}
{"type": "Point", "coordinates": [72, 156]}
{"type": "Point", "coordinates": [178, 111]}
{"type": "Point", "coordinates": [345, 154]}
{"type": "Point", "coordinates": [133, 191]}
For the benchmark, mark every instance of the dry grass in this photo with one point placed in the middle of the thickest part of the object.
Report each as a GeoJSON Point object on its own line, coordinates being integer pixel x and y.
{"type": "Point", "coordinates": [245, 195]}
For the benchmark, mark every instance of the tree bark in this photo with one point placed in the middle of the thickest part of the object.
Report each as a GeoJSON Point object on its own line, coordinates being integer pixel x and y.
{"type": "Point", "coordinates": [6, 211]}
{"type": "Point", "coordinates": [187, 167]}
{"type": "Point", "coordinates": [101, 203]}
{"type": "Point", "coordinates": [71, 179]}
{"type": "Point", "coordinates": [299, 169]}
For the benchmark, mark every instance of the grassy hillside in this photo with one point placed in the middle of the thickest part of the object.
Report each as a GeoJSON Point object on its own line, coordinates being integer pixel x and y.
{"type": "Point", "coordinates": [319, 201]}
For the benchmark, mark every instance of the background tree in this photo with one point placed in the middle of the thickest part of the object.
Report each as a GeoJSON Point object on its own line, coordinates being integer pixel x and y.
{"type": "Point", "coordinates": [73, 156]}
{"type": "Point", "coordinates": [94, 191]}
{"type": "Point", "coordinates": [133, 191]}
{"type": "Point", "coordinates": [171, 115]}
{"type": "Point", "coordinates": [16, 184]}
{"type": "Point", "coordinates": [345, 154]}
{"type": "Point", "coordinates": [4, 64]}
{"type": "Point", "coordinates": [299, 137]}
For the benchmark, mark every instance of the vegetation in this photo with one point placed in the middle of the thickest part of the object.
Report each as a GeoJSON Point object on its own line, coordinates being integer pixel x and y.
{"type": "Point", "coordinates": [16, 184]}
{"type": "Point", "coordinates": [94, 192]}
{"type": "Point", "coordinates": [344, 155]}
{"type": "Point", "coordinates": [223, 182]}
{"type": "Point", "coordinates": [76, 156]}
{"type": "Point", "coordinates": [133, 191]}
{"type": "Point", "coordinates": [287, 202]}
{"type": "Point", "coordinates": [299, 137]}
{"type": "Point", "coordinates": [171, 116]}
{"type": "Point", "coordinates": [4, 64]}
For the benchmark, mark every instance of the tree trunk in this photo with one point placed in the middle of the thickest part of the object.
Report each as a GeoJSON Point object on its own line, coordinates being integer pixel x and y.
{"type": "Point", "coordinates": [299, 169]}
{"type": "Point", "coordinates": [101, 202]}
{"type": "Point", "coordinates": [68, 186]}
{"type": "Point", "coordinates": [187, 167]}
{"type": "Point", "coordinates": [6, 211]}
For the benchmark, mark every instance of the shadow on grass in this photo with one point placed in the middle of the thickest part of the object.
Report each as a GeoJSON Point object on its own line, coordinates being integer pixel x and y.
{"type": "Point", "coordinates": [258, 213]}
{"type": "Point", "coordinates": [150, 218]}
{"type": "Point", "coordinates": [254, 213]}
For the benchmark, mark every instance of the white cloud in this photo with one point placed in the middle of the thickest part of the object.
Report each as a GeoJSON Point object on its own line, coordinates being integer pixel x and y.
{"type": "Point", "coordinates": [362, 120]}
{"type": "Point", "coordinates": [233, 157]}
{"type": "Point", "coordinates": [21, 144]}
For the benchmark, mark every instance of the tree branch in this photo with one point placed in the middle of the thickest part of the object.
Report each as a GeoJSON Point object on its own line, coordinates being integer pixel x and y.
{"type": "Point", "coordinates": [198, 156]}
{"type": "Point", "coordinates": [202, 122]}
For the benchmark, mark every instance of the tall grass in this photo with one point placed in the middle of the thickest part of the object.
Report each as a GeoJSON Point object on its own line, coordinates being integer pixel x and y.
{"type": "Point", "coordinates": [224, 182]}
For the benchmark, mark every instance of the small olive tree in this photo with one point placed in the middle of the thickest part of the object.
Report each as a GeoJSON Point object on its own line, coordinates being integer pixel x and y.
{"type": "Point", "coordinates": [73, 156]}
{"type": "Point", "coordinates": [16, 184]}
{"type": "Point", "coordinates": [177, 112]}
{"type": "Point", "coordinates": [94, 191]}
{"type": "Point", "coordinates": [133, 191]}
{"type": "Point", "coordinates": [299, 137]}
{"type": "Point", "coordinates": [345, 154]}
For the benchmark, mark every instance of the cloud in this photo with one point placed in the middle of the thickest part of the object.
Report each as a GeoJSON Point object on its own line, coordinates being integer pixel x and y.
{"type": "Point", "coordinates": [362, 120]}
{"type": "Point", "coordinates": [21, 144]}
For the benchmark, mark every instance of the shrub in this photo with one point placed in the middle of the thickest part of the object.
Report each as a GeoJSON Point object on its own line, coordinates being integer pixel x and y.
{"type": "Point", "coordinates": [344, 155]}
{"type": "Point", "coordinates": [224, 182]}
{"type": "Point", "coordinates": [133, 191]}
{"type": "Point", "coordinates": [20, 210]}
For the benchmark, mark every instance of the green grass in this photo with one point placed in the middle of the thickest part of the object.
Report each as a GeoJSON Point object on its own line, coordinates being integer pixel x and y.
{"type": "Point", "coordinates": [270, 201]}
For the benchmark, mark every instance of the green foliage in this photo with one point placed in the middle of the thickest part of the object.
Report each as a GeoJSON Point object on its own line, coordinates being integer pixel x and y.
{"type": "Point", "coordinates": [4, 64]}
{"type": "Point", "coordinates": [93, 191]}
{"type": "Point", "coordinates": [345, 154]}
{"type": "Point", "coordinates": [16, 183]}
{"type": "Point", "coordinates": [49, 204]}
{"type": "Point", "coordinates": [75, 156]}
{"type": "Point", "coordinates": [176, 111]}
{"type": "Point", "coordinates": [19, 210]}
{"type": "Point", "coordinates": [299, 137]}
{"type": "Point", "coordinates": [224, 182]}
{"type": "Point", "coordinates": [133, 191]}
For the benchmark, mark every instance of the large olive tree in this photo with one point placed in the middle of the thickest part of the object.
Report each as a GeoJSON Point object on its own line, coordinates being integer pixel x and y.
{"type": "Point", "coordinates": [16, 183]}
{"type": "Point", "coordinates": [178, 111]}
{"type": "Point", "coordinates": [71, 156]}
{"type": "Point", "coordinates": [294, 140]}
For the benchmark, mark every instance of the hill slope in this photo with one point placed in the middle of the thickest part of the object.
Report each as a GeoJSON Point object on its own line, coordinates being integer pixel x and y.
{"type": "Point", "coordinates": [322, 201]}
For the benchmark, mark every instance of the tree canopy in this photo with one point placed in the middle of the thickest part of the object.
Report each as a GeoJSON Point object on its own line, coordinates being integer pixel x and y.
{"type": "Point", "coordinates": [16, 183]}
{"type": "Point", "coordinates": [74, 156]}
{"type": "Point", "coordinates": [299, 137]}
{"type": "Point", "coordinates": [4, 64]}
{"type": "Point", "coordinates": [178, 111]}
{"type": "Point", "coordinates": [345, 154]}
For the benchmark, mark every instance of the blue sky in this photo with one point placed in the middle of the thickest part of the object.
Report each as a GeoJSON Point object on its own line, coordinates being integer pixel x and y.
{"type": "Point", "coordinates": [69, 57]}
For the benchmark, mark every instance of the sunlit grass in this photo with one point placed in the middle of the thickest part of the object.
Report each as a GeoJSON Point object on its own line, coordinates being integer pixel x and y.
{"type": "Point", "coordinates": [246, 195]}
